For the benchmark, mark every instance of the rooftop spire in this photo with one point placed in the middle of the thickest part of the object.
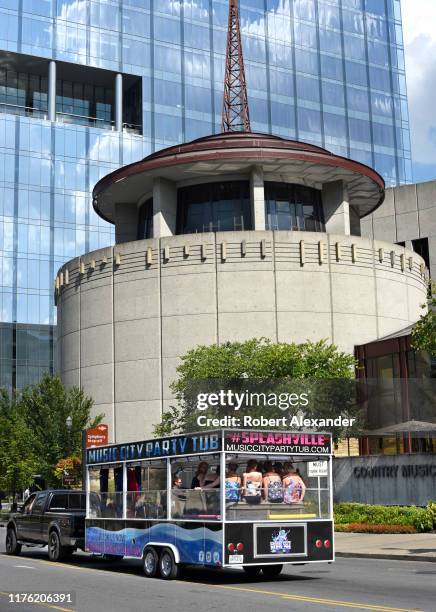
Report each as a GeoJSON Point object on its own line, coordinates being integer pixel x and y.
{"type": "Point", "coordinates": [235, 117]}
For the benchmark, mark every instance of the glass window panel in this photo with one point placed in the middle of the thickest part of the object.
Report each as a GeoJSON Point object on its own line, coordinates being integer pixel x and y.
{"type": "Point", "coordinates": [331, 67]}
{"type": "Point", "coordinates": [309, 120]}
{"type": "Point", "coordinates": [328, 15]}
{"type": "Point", "coordinates": [335, 125]}
{"type": "Point", "coordinates": [307, 88]}
{"type": "Point", "coordinates": [360, 130]}
{"type": "Point", "coordinates": [354, 47]}
{"type": "Point", "coordinates": [306, 61]}
{"type": "Point", "coordinates": [356, 73]}
{"type": "Point", "coordinates": [214, 207]}
{"type": "Point", "coordinates": [333, 93]}
{"type": "Point", "coordinates": [282, 115]}
{"type": "Point", "coordinates": [330, 41]}
{"type": "Point", "coordinates": [353, 22]}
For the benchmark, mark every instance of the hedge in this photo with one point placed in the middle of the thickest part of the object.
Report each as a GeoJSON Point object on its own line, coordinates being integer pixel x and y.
{"type": "Point", "coordinates": [423, 519]}
{"type": "Point", "coordinates": [367, 528]}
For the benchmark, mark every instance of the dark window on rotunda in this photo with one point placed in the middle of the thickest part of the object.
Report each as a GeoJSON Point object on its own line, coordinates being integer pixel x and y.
{"type": "Point", "coordinates": [293, 207]}
{"type": "Point", "coordinates": [214, 207]}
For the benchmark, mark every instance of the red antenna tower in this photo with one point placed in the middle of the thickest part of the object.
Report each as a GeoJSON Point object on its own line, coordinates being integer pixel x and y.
{"type": "Point", "coordinates": [236, 117]}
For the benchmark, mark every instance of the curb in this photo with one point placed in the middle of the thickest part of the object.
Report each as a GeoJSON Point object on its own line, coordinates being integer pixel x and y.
{"type": "Point", "coordinates": [427, 559]}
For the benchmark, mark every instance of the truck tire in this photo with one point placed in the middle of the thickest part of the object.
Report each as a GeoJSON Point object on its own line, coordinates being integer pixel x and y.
{"type": "Point", "coordinates": [168, 568]}
{"type": "Point", "coordinates": [12, 546]}
{"type": "Point", "coordinates": [56, 552]}
{"type": "Point", "coordinates": [150, 562]}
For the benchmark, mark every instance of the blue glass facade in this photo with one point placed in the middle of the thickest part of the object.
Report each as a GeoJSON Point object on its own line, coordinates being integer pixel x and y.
{"type": "Point", "coordinates": [329, 72]}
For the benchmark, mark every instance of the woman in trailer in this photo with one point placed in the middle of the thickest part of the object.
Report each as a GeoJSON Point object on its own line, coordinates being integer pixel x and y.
{"type": "Point", "coordinates": [233, 483]}
{"type": "Point", "coordinates": [199, 479]}
{"type": "Point", "coordinates": [252, 483]}
{"type": "Point", "coordinates": [272, 489]}
{"type": "Point", "coordinates": [294, 488]}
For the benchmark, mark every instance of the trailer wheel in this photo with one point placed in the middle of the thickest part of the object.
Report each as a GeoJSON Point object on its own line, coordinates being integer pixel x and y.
{"type": "Point", "coordinates": [12, 546]}
{"type": "Point", "coordinates": [270, 571]}
{"type": "Point", "coordinates": [252, 570]}
{"type": "Point", "coordinates": [150, 562]}
{"type": "Point", "coordinates": [168, 567]}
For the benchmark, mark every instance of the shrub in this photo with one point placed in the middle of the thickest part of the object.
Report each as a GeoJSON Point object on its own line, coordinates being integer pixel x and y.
{"type": "Point", "coordinates": [368, 528]}
{"type": "Point", "coordinates": [420, 518]}
{"type": "Point", "coordinates": [431, 508]}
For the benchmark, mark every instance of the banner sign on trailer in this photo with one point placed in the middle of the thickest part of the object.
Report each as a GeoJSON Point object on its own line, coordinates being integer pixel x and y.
{"type": "Point", "coordinates": [160, 447]}
{"type": "Point", "coordinates": [275, 442]}
{"type": "Point", "coordinates": [234, 441]}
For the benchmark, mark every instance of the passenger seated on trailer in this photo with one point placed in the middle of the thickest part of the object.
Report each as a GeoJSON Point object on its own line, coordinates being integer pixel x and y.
{"type": "Point", "coordinates": [294, 488]}
{"type": "Point", "coordinates": [212, 481]}
{"type": "Point", "coordinates": [177, 482]}
{"type": "Point", "coordinates": [272, 488]}
{"type": "Point", "coordinates": [233, 483]}
{"type": "Point", "coordinates": [200, 476]}
{"type": "Point", "coordinates": [278, 468]}
{"type": "Point", "coordinates": [252, 483]}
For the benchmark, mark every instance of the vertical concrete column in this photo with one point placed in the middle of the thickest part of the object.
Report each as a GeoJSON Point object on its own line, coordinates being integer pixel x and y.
{"type": "Point", "coordinates": [119, 102]}
{"type": "Point", "coordinates": [164, 208]}
{"type": "Point", "coordinates": [52, 90]}
{"type": "Point", "coordinates": [126, 222]}
{"type": "Point", "coordinates": [336, 208]}
{"type": "Point", "coordinates": [257, 192]}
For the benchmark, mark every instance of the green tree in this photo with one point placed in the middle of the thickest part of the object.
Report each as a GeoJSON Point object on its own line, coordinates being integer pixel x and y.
{"type": "Point", "coordinates": [424, 331]}
{"type": "Point", "coordinates": [261, 366]}
{"type": "Point", "coordinates": [18, 461]}
{"type": "Point", "coordinates": [46, 407]}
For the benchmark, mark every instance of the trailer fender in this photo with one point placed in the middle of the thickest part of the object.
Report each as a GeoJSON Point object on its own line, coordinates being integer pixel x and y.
{"type": "Point", "coordinates": [166, 545]}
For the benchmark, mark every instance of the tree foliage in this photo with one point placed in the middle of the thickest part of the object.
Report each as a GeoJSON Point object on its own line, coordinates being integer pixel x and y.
{"type": "Point", "coordinates": [18, 461]}
{"type": "Point", "coordinates": [71, 468]}
{"type": "Point", "coordinates": [424, 331]}
{"type": "Point", "coordinates": [34, 432]}
{"type": "Point", "coordinates": [46, 407]}
{"type": "Point", "coordinates": [261, 366]}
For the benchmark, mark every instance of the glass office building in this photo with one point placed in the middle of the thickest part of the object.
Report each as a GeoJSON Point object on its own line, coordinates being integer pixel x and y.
{"type": "Point", "coordinates": [89, 85]}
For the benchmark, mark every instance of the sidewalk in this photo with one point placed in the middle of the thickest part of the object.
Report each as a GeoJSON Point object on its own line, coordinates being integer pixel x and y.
{"type": "Point", "coordinates": [410, 547]}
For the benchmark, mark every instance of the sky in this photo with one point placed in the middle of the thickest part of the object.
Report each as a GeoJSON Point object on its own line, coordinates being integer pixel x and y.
{"type": "Point", "coordinates": [419, 32]}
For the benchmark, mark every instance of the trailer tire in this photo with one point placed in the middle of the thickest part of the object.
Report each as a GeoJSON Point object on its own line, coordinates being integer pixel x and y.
{"type": "Point", "coordinates": [150, 562]}
{"type": "Point", "coordinates": [168, 568]}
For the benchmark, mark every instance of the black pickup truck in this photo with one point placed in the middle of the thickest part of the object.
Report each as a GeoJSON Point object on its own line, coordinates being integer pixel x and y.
{"type": "Point", "coordinates": [55, 518]}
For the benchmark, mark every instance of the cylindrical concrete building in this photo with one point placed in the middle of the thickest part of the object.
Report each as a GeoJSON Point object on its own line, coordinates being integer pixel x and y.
{"type": "Point", "coordinates": [229, 237]}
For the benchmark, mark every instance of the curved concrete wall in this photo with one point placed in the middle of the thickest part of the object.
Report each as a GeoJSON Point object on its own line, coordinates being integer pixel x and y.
{"type": "Point", "coordinates": [126, 314]}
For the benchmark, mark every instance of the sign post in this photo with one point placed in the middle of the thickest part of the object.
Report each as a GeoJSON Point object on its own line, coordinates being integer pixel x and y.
{"type": "Point", "coordinates": [96, 436]}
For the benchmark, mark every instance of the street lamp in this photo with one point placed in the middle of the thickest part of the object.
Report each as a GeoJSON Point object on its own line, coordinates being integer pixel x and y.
{"type": "Point", "coordinates": [69, 424]}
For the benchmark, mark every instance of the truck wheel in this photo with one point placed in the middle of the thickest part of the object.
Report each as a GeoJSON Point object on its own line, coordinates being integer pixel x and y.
{"type": "Point", "coordinates": [252, 570]}
{"type": "Point", "coordinates": [56, 552]}
{"type": "Point", "coordinates": [150, 562]}
{"type": "Point", "coordinates": [12, 546]}
{"type": "Point", "coordinates": [270, 571]}
{"type": "Point", "coordinates": [168, 568]}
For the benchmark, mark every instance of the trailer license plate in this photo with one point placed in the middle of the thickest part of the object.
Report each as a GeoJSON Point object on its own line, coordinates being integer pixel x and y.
{"type": "Point", "coordinates": [237, 559]}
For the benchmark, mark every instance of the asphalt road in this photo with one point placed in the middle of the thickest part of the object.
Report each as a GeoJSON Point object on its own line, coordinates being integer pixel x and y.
{"type": "Point", "coordinates": [97, 586]}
